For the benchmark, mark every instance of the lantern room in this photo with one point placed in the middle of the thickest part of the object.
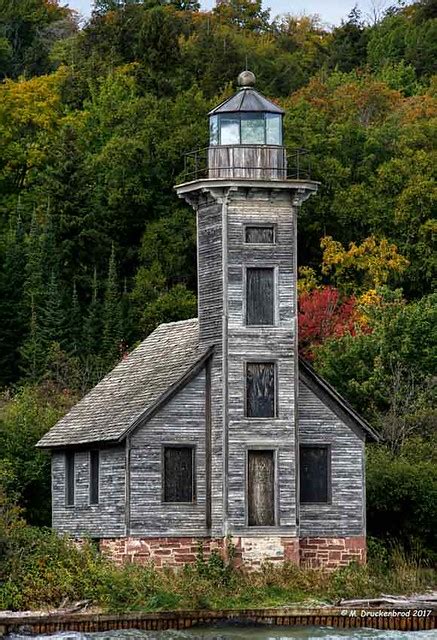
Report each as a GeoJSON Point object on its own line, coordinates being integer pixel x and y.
{"type": "Point", "coordinates": [246, 135]}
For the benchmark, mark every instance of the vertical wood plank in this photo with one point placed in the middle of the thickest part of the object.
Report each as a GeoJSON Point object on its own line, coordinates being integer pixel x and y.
{"type": "Point", "coordinates": [261, 483]}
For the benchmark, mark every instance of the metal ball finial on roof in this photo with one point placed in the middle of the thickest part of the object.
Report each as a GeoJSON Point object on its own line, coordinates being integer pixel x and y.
{"type": "Point", "coordinates": [246, 79]}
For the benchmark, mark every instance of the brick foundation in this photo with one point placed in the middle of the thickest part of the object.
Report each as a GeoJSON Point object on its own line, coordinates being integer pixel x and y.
{"type": "Point", "coordinates": [172, 552]}
{"type": "Point", "coordinates": [330, 553]}
{"type": "Point", "coordinates": [327, 553]}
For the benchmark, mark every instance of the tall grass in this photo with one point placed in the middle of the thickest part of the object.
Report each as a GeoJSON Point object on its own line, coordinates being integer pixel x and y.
{"type": "Point", "coordinates": [41, 569]}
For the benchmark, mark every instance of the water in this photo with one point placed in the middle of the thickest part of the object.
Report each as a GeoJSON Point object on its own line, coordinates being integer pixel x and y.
{"type": "Point", "coordinates": [243, 632]}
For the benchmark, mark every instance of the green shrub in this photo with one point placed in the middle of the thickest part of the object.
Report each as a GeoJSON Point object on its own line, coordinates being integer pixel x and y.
{"type": "Point", "coordinates": [402, 499]}
{"type": "Point", "coordinates": [44, 568]}
{"type": "Point", "coordinates": [40, 568]}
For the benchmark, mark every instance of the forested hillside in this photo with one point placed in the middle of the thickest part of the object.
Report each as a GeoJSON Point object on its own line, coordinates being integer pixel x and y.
{"type": "Point", "coordinates": [96, 250]}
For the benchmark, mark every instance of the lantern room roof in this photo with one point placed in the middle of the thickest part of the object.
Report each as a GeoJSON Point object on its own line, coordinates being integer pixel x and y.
{"type": "Point", "coordinates": [247, 99]}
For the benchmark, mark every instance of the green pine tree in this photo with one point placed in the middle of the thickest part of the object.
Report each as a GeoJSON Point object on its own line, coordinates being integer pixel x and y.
{"type": "Point", "coordinates": [13, 320]}
{"type": "Point", "coordinates": [92, 327]}
{"type": "Point", "coordinates": [75, 335]}
{"type": "Point", "coordinates": [112, 314]}
{"type": "Point", "coordinates": [32, 350]}
{"type": "Point", "coordinates": [53, 316]}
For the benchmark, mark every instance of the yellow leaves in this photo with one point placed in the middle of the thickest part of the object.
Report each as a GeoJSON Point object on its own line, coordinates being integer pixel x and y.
{"type": "Point", "coordinates": [31, 103]}
{"type": "Point", "coordinates": [365, 302]}
{"type": "Point", "coordinates": [369, 298]}
{"type": "Point", "coordinates": [308, 280]}
{"type": "Point", "coordinates": [365, 266]}
{"type": "Point", "coordinates": [30, 110]}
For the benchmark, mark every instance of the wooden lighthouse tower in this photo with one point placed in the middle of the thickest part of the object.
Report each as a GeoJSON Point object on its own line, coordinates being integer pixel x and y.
{"type": "Point", "coordinates": [247, 213]}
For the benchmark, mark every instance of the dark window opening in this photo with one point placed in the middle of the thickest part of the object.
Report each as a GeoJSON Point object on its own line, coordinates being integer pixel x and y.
{"type": "Point", "coordinates": [69, 478]}
{"type": "Point", "coordinates": [260, 295]}
{"type": "Point", "coordinates": [261, 488]}
{"type": "Point", "coordinates": [179, 474]}
{"type": "Point", "coordinates": [260, 235]}
{"type": "Point", "coordinates": [94, 477]}
{"type": "Point", "coordinates": [260, 390]}
{"type": "Point", "coordinates": [314, 474]}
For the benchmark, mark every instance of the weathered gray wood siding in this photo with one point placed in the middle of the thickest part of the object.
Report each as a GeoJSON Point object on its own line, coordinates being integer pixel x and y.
{"type": "Point", "coordinates": [82, 519]}
{"type": "Point", "coordinates": [211, 292]}
{"type": "Point", "coordinates": [270, 343]}
{"type": "Point", "coordinates": [247, 161]}
{"type": "Point", "coordinates": [180, 421]}
{"type": "Point", "coordinates": [345, 515]}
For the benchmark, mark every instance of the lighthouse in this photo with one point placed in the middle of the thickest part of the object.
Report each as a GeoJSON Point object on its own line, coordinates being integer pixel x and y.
{"type": "Point", "coordinates": [213, 429]}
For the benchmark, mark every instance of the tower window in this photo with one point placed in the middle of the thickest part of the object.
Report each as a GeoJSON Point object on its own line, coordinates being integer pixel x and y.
{"type": "Point", "coordinates": [94, 476]}
{"type": "Point", "coordinates": [69, 478]}
{"type": "Point", "coordinates": [253, 129]}
{"type": "Point", "coordinates": [314, 473]}
{"type": "Point", "coordinates": [230, 130]}
{"type": "Point", "coordinates": [260, 294]}
{"type": "Point", "coordinates": [260, 390]}
{"type": "Point", "coordinates": [247, 128]}
{"type": "Point", "coordinates": [178, 480]}
{"type": "Point", "coordinates": [259, 234]}
{"type": "Point", "coordinates": [273, 129]}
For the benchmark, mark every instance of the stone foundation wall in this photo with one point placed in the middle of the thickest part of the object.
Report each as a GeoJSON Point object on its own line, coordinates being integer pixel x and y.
{"type": "Point", "coordinates": [327, 553]}
{"type": "Point", "coordinates": [330, 553]}
{"type": "Point", "coordinates": [161, 551]}
{"type": "Point", "coordinates": [255, 551]}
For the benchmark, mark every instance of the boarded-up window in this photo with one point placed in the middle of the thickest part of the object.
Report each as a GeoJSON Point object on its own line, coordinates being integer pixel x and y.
{"type": "Point", "coordinates": [179, 474]}
{"type": "Point", "coordinates": [69, 478]}
{"type": "Point", "coordinates": [260, 235]}
{"type": "Point", "coordinates": [94, 477]}
{"type": "Point", "coordinates": [261, 488]}
{"type": "Point", "coordinates": [260, 390]}
{"type": "Point", "coordinates": [314, 474]}
{"type": "Point", "coordinates": [260, 295]}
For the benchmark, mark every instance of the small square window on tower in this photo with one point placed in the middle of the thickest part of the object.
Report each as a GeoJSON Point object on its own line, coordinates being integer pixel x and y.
{"type": "Point", "coordinates": [260, 296]}
{"type": "Point", "coordinates": [315, 471]}
{"type": "Point", "coordinates": [260, 390]}
{"type": "Point", "coordinates": [178, 474]}
{"type": "Point", "coordinates": [259, 234]}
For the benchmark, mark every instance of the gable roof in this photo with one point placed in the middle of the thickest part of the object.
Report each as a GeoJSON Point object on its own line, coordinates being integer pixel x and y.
{"type": "Point", "coordinates": [139, 385]}
{"type": "Point", "coordinates": [246, 99]}
{"type": "Point", "coordinates": [133, 389]}
{"type": "Point", "coordinates": [334, 401]}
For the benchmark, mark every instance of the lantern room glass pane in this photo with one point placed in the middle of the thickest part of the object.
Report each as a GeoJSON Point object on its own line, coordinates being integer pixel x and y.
{"type": "Point", "coordinates": [252, 128]}
{"type": "Point", "coordinates": [230, 130]}
{"type": "Point", "coordinates": [273, 128]}
{"type": "Point", "coordinates": [213, 130]}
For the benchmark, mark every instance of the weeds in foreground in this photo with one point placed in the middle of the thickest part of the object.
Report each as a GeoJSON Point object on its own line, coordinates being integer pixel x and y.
{"type": "Point", "coordinates": [41, 569]}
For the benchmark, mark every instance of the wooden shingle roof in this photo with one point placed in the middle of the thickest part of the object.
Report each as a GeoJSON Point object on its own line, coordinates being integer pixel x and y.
{"type": "Point", "coordinates": [148, 377]}
{"type": "Point", "coordinates": [133, 389]}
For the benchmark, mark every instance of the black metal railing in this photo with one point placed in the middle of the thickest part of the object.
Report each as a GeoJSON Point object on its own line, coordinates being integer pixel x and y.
{"type": "Point", "coordinates": [297, 166]}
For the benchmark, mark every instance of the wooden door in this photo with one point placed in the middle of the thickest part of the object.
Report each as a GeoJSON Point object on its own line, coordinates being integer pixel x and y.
{"type": "Point", "coordinates": [261, 488]}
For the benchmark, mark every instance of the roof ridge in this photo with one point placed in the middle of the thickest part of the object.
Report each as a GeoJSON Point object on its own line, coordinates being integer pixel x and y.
{"type": "Point", "coordinates": [167, 324]}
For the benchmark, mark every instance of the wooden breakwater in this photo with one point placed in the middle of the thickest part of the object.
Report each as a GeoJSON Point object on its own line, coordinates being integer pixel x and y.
{"type": "Point", "coordinates": [396, 619]}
